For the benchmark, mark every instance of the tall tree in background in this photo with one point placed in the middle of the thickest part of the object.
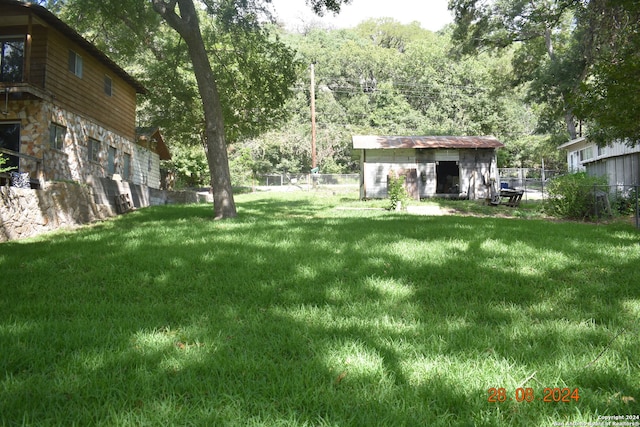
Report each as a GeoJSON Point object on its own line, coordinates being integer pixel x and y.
{"type": "Point", "coordinates": [609, 99]}
{"type": "Point", "coordinates": [584, 56]}
{"type": "Point", "coordinates": [548, 55]}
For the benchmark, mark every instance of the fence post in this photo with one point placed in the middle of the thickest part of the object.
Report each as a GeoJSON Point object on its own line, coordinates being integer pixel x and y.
{"type": "Point", "coordinates": [595, 202]}
{"type": "Point", "coordinates": [637, 219]}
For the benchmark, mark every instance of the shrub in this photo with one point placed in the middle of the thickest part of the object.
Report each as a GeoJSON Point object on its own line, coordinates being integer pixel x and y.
{"type": "Point", "coordinates": [396, 191]}
{"type": "Point", "coordinates": [3, 160]}
{"type": "Point", "coordinates": [624, 201]}
{"type": "Point", "coordinates": [574, 195]}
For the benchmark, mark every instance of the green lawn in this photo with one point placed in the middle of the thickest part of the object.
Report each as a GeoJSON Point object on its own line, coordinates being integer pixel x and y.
{"type": "Point", "coordinates": [298, 313]}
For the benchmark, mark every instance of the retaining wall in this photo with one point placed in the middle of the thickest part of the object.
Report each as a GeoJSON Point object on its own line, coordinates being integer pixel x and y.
{"type": "Point", "coordinates": [26, 213]}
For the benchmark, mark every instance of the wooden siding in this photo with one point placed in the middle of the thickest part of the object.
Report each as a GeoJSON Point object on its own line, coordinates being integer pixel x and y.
{"type": "Point", "coordinates": [47, 68]}
{"type": "Point", "coordinates": [145, 167]}
{"type": "Point", "coordinates": [85, 95]}
{"type": "Point", "coordinates": [34, 71]}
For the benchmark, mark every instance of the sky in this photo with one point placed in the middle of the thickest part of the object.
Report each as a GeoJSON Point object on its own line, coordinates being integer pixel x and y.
{"type": "Point", "coordinates": [431, 14]}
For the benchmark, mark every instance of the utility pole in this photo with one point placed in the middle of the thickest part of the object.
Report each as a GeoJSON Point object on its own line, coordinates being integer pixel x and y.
{"type": "Point", "coordinates": [313, 117]}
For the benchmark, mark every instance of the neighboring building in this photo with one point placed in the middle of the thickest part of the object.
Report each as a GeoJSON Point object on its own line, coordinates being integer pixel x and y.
{"type": "Point", "coordinates": [434, 166]}
{"type": "Point", "coordinates": [148, 152]}
{"type": "Point", "coordinates": [67, 112]}
{"type": "Point", "coordinates": [618, 161]}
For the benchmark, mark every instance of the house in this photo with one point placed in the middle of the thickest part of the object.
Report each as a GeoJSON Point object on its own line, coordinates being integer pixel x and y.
{"type": "Point", "coordinates": [148, 151]}
{"type": "Point", "coordinates": [68, 112]}
{"type": "Point", "coordinates": [618, 161]}
{"type": "Point", "coordinates": [434, 166]}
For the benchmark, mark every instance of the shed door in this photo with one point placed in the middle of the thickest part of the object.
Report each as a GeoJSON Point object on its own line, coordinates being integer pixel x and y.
{"type": "Point", "coordinates": [448, 177]}
{"type": "Point", "coordinates": [411, 183]}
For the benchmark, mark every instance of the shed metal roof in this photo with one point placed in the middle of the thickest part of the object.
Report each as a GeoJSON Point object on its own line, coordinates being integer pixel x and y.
{"type": "Point", "coordinates": [361, 142]}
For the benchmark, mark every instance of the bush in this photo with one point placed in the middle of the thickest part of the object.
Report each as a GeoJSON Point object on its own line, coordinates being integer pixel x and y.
{"type": "Point", "coordinates": [573, 196]}
{"type": "Point", "coordinates": [396, 191]}
{"type": "Point", "coordinates": [3, 169]}
{"type": "Point", "coordinates": [624, 201]}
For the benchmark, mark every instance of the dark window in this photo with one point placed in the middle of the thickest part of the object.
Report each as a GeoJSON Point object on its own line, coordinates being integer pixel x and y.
{"type": "Point", "coordinates": [126, 167]}
{"type": "Point", "coordinates": [111, 160]}
{"type": "Point", "coordinates": [75, 63]}
{"type": "Point", "coordinates": [57, 133]}
{"type": "Point", "coordinates": [11, 59]}
{"type": "Point", "coordinates": [10, 140]}
{"type": "Point", "coordinates": [108, 86]}
{"type": "Point", "coordinates": [94, 150]}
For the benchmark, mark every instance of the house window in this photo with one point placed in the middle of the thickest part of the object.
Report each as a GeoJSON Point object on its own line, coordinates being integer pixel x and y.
{"type": "Point", "coordinates": [586, 154]}
{"type": "Point", "coordinates": [11, 59]}
{"type": "Point", "coordinates": [10, 140]}
{"type": "Point", "coordinates": [75, 63]}
{"type": "Point", "coordinates": [126, 166]}
{"type": "Point", "coordinates": [94, 150]}
{"type": "Point", "coordinates": [111, 160]}
{"type": "Point", "coordinates": [108, 86]}
{"type": "Point", "coordinates": [57, 134]}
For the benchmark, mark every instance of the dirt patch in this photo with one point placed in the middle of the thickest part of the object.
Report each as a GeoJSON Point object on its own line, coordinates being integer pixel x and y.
{"type": "Point", "coordinates": [430, 210]}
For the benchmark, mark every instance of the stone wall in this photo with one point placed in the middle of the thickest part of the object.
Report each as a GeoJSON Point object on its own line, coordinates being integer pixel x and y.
{"type": "Point", "coordinates": [26, 213]}
{"type": "Point", "coordinates": [72, 161]}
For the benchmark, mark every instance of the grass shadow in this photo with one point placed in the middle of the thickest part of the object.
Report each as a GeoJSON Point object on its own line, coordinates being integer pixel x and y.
{"type": "Point", "coordinates": [293, 314]}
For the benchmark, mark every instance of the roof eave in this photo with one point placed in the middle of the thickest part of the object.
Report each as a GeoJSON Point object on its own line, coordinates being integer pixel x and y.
{"type": "Point", "coordinates": [72, 34]}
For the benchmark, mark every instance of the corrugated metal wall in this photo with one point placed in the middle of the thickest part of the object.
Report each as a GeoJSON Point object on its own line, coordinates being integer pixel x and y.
{"type": "Point", "coordinates": [622, 170]}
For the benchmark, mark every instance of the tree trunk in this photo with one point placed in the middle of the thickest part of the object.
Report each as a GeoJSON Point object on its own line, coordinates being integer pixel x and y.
{"type": "Point", "coordinates": [570, 121]}
{"type": "Point", "coordinates": [188, 26]}
{"type": "Point", "coordinates": [569, 117]}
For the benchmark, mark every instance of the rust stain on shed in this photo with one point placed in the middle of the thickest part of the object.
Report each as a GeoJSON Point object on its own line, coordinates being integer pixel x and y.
{"type": "Point", "coordinates": [361, 142]}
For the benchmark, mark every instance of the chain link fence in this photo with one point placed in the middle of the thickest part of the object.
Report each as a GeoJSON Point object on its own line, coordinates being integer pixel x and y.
{"type": "Point", "coordinates": [293, 181]}
{"type": "Point", "coordinates": [531, 181]}
{"type": "Point", "coordinates": [603, 202]}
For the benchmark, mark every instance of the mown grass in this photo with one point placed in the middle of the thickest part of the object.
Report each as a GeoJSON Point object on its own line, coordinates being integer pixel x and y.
{"type": "Point", "coordinates": [298, 313]}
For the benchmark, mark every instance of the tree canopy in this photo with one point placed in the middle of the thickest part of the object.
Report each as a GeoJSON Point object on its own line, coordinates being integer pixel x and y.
{"type": "Point", "coordinates": [579, 58]}
{"type": "Point", "coordinates": [524, 72]}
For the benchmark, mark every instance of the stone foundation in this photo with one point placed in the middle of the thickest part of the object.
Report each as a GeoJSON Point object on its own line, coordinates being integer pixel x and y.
{"type": "Point", "coordinates": [26, 213]}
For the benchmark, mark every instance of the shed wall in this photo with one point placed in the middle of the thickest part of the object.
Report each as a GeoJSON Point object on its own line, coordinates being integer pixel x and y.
{"type": "Point", "coordinates": [622, 170]}
{"type": "Point", "coordinates": [146, 167]}
{"type": "Point", "coordinates": [477, 167]}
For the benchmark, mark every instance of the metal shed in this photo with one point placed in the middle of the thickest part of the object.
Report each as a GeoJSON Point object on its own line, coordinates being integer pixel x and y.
{"type": "Point", "coordinates": [433, 166]}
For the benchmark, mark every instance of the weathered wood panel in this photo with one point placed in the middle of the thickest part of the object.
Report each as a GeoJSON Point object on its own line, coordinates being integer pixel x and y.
{"type": "Point", "coordinates": [145, 167]}
{"type": "Point", "coordinates": [476, 167]}
{"type": "Point", "coordinates": [375, 176]}
{"type": "Point", "coordinates": [85, 95]}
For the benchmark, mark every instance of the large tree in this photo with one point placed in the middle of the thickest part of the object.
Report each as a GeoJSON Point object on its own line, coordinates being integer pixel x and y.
{"type": "Point", "coordinates": [608, 99]}
{"type": "Point", "coordinates": [547, 54]}
{"type": "Point", "coordinates": [182, 16]}
{"type": "Point", "coordinates": [186, 23]}
{"type": "Point", "coordinates": [580, 57]}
